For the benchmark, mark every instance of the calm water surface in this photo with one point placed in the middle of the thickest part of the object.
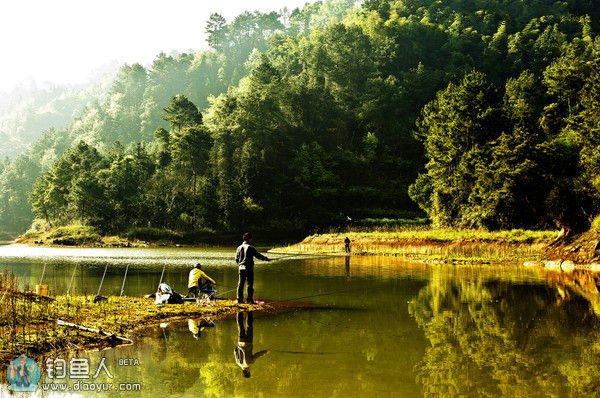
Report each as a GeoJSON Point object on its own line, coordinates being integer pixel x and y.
{"type": "Point", "coordinates": [379, 327]}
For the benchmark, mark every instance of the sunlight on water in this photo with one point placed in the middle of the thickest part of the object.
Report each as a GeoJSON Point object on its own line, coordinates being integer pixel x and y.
{"type": "Point", "coordinates": [380, 326]}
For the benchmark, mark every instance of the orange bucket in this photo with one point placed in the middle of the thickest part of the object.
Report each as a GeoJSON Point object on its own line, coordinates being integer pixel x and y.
{"type": "Point", "coordinates": [41, 290]}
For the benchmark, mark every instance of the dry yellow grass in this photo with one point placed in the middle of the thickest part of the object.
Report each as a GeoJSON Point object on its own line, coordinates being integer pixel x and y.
{"type": "Point", "coordinates": [432, 244]}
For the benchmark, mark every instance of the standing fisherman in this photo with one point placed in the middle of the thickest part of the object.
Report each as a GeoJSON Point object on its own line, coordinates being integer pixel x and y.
{"type": "Point", "coordinates": [244, 257]}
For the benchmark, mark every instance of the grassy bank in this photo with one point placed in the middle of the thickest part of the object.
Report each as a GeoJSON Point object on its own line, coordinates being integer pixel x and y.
{"type": "Point", "coordinates": [42, 234]}
{"type": "Point", "coordinates": [432, 244]}
{"type": "Point", "coordinates": [28, 323]}
{"type": "Point", "coordinates": [83, 235]}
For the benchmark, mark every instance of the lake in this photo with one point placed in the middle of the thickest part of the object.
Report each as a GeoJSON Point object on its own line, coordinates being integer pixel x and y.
{"type": "Point", "coordinates": [376, 326]}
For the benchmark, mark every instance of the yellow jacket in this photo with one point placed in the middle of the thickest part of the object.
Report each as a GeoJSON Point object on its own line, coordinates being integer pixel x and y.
{"type": "Point", "coordinates": [196, 275]}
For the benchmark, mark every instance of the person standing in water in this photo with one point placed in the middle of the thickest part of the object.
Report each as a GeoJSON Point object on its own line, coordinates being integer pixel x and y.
{"type": "Point", "coordinates": [244, 257]}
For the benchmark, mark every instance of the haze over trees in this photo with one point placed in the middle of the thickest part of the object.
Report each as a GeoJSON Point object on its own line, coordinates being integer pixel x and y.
{"type": "Point", "coordinates": [28, 110]}
{"type": "Point", "coordinates": [484, 114]}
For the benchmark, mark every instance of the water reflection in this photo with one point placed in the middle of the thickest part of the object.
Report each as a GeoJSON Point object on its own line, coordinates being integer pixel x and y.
{"type": "Point", "coordinates": [347, 268]}
{"type": "Point", "coordinates": [390, 327]}
{"type": "Point", "coordinates": [494, 338]}
{"type": "Point", "coordinates": [196, 326]}
{"type": "Point", "coordinates": [243, 352]}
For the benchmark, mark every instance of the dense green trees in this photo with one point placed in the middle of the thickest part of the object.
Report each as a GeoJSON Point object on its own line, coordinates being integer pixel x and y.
{"type": "Point", "coordinates": [289, 120]}
{"type": "Point", "coordinates": [520, 160]}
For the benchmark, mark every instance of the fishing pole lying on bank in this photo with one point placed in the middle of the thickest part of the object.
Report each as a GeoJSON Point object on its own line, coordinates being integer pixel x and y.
{"type": "Point", "coordinates": [60, 322]}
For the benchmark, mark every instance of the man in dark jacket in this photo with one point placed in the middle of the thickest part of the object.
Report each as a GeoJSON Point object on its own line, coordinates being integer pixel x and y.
{"type": "Point", "coordinates": [244, 257]}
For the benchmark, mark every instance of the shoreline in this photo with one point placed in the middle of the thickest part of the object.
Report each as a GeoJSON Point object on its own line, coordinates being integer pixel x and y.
{"type": "Point", "coordinates": [430, 244]}
{"type": "Point", "coordinates": [529, 248]}
{"type": "Point", "coordinates": [114, 322]}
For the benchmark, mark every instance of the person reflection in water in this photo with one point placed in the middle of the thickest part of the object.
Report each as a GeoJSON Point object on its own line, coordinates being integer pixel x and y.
{"type": "Point", "coordinates": [196, 326]}
{"type": "Point", "coordinates": [243, 351]}
{"type": "Point", "coordinates": [347, 268]}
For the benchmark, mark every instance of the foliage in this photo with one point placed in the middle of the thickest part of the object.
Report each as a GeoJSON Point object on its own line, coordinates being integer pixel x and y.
{"type": "Point", "coordinates": [527, 160]}
{"type": "Point", "coordinates": [290, 121]}
{"type": "Point", "coordinates": [29, 110]}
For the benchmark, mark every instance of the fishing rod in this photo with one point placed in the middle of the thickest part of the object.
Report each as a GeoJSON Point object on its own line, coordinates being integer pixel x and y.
{"type": "Point", "coordinates": [284, 255]}
{"type": "Point", "coordinates": [162, 275]}
{"type": "Point", "coordinates": [124, 279]}
{"type": "Point", "coordinates": [43, 272]}
{"type": "Point", "coordinates": [315, 295]}
{"type": "Point", "coordinates": [102, 280]}
{"type": "Point", "coordinates": [72, 278]}
{"type": "Point", "coordinates": [228, 291]}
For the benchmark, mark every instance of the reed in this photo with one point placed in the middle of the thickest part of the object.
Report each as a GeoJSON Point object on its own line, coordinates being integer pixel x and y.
{"type": "Point", "coordinates": [435, 244]}
{"type": "Point", "coordinates": [28, 322]}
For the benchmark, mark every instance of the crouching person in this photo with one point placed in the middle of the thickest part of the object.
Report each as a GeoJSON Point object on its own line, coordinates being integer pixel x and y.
{"type": "Point", "coordinates": [199, 283]}
{"type": "Point", "coordinates": [166, 295]}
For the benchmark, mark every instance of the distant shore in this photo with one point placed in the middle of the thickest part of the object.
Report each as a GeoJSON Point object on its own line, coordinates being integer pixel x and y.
{"type": "Point", "coordinates": [430, 244]}
{"type": "Point", "coordinates": [86, 236]}
{"type": "Point", "coordinates": [441, 246]}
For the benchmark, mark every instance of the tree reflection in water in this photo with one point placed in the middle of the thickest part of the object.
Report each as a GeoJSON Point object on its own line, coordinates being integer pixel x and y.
{"type": "Point", "coordinates": [492, 338]}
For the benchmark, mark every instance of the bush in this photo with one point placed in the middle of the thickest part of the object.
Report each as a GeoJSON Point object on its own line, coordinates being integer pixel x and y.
{"type": "Point", "coordinates": [78, 232]}
{"type": "Point", "coordinates": [153, 234]}
{"type": "Point", "coordinates": [392, 222]}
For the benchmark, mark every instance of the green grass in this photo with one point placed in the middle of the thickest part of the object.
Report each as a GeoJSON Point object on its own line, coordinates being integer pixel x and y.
{"type": "Point", "coordinates": [77, 232]}
{"type": "Point", "coordinates": [72, 235]}
{"type": "Point", "coordinates": [83, 235]}
{"type": "Point", "coordinates": [390, 223]}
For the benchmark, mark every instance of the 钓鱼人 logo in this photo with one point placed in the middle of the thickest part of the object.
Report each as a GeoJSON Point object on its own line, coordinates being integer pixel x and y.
{"type": "Point", "coordinates": [23, 374]}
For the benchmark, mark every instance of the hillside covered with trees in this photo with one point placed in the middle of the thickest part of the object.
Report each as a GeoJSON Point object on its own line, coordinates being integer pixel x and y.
{"type": "Point", "coordinates": [482, 113]}
{"type": "Point", "coordinates": [29, 110]}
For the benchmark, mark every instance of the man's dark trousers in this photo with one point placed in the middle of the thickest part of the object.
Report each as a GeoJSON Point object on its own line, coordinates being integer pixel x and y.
{"type": "Point", "coordinates": [246, 276]}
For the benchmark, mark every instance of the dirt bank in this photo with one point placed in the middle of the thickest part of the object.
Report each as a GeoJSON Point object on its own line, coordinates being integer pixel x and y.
{"type": "Point", "coordinates": [576, 250]}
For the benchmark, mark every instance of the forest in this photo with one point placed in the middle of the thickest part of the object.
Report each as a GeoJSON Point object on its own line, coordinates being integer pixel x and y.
{"type": "Point", "coordinates": [481, 114]}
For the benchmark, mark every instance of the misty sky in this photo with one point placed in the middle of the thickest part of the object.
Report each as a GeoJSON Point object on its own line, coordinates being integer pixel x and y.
{"type": "Point", "coordinates": [66, 41]}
